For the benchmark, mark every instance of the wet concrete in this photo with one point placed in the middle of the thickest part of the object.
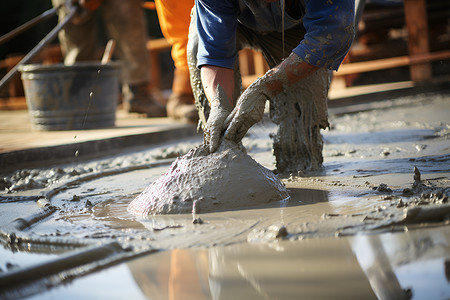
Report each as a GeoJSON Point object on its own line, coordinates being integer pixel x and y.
{"type": "Point", "coordinates": [201, 181]}
{"type": "Point", "coordinates": [366, 194]}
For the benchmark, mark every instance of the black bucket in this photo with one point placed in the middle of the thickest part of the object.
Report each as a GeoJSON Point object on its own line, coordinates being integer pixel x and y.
{"type": "Point", "coordinates": [81, 96]}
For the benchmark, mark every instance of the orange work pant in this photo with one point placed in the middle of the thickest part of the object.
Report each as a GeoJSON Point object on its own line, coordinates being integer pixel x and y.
{"type": "Point", "coordinates": [174, 18]}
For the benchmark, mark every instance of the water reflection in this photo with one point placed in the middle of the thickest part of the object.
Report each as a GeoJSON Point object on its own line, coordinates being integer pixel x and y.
{"type": "Point", "coordinates": [388, 266]}
{"type": "Point", "coordinates": [413, 263]}
{"type": "Point", "coordinates": [313, 269]}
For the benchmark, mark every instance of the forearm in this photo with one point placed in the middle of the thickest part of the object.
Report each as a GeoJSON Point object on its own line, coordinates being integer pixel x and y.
{"type": "Point", "coordinates": [213, 76]}
{"type": "Point", "coordinates": [251, 104]}
{"type": "Point", "coordinates": [290, 71]}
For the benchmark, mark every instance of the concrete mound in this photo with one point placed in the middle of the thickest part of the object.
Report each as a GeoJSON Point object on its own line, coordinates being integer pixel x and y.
{"type": "Point", "coordinates": [201, 182]}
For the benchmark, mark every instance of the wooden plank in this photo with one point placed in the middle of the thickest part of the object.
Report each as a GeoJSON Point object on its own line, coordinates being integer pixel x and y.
{"type": "Point", "coordinates": [150, 5]}
{"type": "Point", "coordinates": [155, 47]}
{"type": "Point", "coordinates": [393, 62]}
{"type": "Point", "coordinates": [158, 45]}
{"type": "Point", "coordinates": [13, 103]}
{"type": "Point", "coordinates": [336, 93]}
{"type": "Point", "coordinates": [374, 65]}
{"type": "Point", "coordinates": [417, 25]}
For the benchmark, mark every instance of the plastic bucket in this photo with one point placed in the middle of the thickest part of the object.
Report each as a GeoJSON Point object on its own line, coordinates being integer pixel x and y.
{"type": "Point", "coordinates": [81, 96]}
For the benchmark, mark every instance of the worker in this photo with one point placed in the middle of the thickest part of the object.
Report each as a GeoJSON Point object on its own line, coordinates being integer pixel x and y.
{"type": "Point", "coordinates": [125, 23]}
{"type": "Point", "coordinates": [174, 19]}
{"type": "Point", "coordinates": [315, 37]}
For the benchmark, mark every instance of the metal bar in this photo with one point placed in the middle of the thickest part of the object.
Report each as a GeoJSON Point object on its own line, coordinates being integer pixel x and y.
{"type": "Point", "coordinates": [47, 39]}
{"type": "Point", "coordinates": [44, 16]}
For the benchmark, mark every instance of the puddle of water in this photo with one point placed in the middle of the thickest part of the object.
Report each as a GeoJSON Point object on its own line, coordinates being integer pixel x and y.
{"type": "Point", "coordinates": [113, 283]}
{"type": "Point", "coordinates": [105, 200]}
{"type": "Point", "coordinates": [127, 184]}
{"type": "Point", "coordinates": [416, 260]}
{"type": "Point", "coordinates": [10, 260]}
{"type": "Point", "coordinates": [8, 211]}
{"type": "Point", "coordinates": [382, 266]}
{"type": "Point", "coordinates": [387, 136]}
{"type": "Point", "coordinates": [352, 205]}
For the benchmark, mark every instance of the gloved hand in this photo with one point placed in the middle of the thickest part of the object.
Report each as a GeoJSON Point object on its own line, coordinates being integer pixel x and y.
{"type": "Point", "coordinates": [220, 109]}
{"type": "Point", "coordinates": [86, 8]}
{"type": "Point", "coordinates": [250, 106]}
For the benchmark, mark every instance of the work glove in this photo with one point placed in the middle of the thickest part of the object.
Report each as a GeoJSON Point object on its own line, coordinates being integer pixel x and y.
{"type": "Point", "coordinates": [85, 10]}
{"type": "Point", "coordinates": [220, 109]}
{"type": "Point", "coordinates": [250, 106]}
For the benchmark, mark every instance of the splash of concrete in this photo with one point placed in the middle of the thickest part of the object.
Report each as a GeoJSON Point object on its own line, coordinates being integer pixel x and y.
{"type": "Point", "coordinates": [201, 181]}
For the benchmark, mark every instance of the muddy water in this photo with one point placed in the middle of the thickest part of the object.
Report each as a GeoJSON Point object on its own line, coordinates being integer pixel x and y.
{"type": "Point", "coordinates": [311, 269]}
{"type": "Point", "coordinates": [366, 189]}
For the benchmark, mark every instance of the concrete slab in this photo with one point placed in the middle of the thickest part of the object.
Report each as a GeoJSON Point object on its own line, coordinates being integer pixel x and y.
{"type": "Point", "coordinates": [21, 144]}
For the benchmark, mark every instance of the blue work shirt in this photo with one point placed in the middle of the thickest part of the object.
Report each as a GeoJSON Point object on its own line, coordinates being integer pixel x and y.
{"type": "Point", "coordinates": [329, 28]}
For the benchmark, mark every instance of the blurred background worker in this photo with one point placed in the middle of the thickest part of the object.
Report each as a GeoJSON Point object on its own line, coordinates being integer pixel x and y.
{"type": "Point", "coordinates": [174, 19]}
{"type": "Point", "coordinates": [125, 23]}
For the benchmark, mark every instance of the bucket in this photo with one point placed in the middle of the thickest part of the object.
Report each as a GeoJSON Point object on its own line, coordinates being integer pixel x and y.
{"type": "Point", "coordinates": [81, 96]}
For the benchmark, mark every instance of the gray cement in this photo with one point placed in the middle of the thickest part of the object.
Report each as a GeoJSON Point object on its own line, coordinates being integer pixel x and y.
{"type": "Point", "coordinates": [201, 182]}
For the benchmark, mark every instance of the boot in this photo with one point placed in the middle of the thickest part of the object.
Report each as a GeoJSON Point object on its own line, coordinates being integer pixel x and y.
{"type": "Point", "coordinates": [139, 99]}
{"type": "Point", "coordinates": [180, 105]}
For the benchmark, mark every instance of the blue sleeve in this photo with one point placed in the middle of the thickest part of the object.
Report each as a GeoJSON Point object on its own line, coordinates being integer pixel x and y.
{"type": "Point", "coordinates": [329, 32]}
{"type": "Point", "coordinates": [216, 27]}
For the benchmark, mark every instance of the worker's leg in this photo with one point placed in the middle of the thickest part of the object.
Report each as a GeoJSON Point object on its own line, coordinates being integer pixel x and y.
{"type": "Point", "coordinates": [300, 111]}
{"type": "Point", "coordinates": [174, 19]}
{"type": "Point", "coordinates": [78, 41]}
{"type": "Point", "coordinates": [197, 88]}
{"type": "Point", "coordinates": [126, 24]}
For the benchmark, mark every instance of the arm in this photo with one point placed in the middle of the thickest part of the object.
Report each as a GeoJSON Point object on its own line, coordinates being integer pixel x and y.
{"type": "Point", "coordinates": [250, 107]}
{"type": "Point", "coordinates": [212, 76]}
{"type": "Point", "coordinates": [216, 27]}
{"type": "Point", "coordinates": [329, 32]}
{"type": "Point", "coordinates": [218, 84]}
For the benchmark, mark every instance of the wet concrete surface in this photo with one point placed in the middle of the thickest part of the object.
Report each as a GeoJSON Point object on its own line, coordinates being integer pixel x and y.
{"type": "Point", "coordinates": [365, 220]}
{"type": "Point", "coordinates": [21, 146]}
